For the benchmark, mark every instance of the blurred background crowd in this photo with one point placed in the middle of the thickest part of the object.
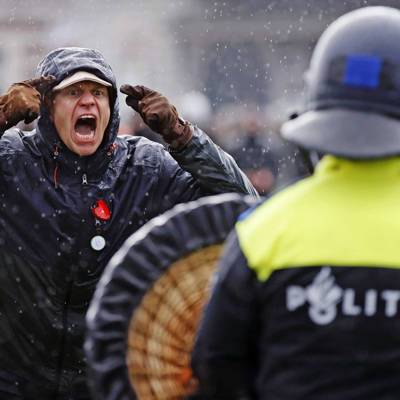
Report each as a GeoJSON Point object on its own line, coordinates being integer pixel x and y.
{"type": "Point", "coordinates": [235, 68]}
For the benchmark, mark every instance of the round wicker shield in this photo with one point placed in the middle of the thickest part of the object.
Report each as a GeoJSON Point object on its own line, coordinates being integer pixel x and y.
{"type": "Point", "coordinates": [144, 315]}
{"type": "Point", "coordinates": [163, 327]}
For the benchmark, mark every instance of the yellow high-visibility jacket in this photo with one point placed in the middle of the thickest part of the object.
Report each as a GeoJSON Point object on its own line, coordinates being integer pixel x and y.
{"type": "Point", "coordinates": [307, 298]}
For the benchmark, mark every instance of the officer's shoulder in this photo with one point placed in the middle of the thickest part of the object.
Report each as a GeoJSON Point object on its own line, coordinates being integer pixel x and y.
{"type": "Point", "coordinates": [284, 202]}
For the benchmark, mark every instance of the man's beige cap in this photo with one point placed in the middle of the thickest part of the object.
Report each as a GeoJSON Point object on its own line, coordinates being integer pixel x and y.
{"type": "Point", "coordinates": [80, 76]}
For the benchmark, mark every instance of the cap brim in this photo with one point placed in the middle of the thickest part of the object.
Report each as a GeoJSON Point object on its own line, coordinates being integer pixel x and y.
{"type": "Point", "coordinates": [345, 133]}
{"type": "Point", "coordinates": [80, 76]}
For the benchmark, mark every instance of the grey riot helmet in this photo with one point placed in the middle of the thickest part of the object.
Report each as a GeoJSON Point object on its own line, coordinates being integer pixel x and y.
{"type": "Point", "coordinates": [353, 83]}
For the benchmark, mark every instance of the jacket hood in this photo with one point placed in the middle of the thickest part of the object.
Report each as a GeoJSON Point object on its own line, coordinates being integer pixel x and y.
{"type": "Point", "coordinates": [62, 63]}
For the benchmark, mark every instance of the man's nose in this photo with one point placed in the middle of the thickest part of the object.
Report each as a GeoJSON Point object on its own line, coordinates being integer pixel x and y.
{"type": "Point", "coordinates": [87, 99]}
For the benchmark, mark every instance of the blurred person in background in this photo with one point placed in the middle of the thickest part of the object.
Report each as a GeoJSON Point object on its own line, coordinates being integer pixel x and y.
{"type": "Point", "coordinates": [256, 154]}
{"type": "Point", "coordinates": [269, 161]}
{"type": "Point", "coordinates": [72, 191]}
{"type": "Point", "coordinates": [306, 299]}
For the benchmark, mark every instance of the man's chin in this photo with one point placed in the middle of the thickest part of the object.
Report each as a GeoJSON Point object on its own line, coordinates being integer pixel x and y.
{"type": "Point", "coordinates": [87, 151]}
{"type": "Point", "coordinates": [84, 149]}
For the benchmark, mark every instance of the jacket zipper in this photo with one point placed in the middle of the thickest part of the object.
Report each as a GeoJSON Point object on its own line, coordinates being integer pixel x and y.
{"type": "Point", "coordinates": [65, 319]}
{"type": "Point", "coordinates": [63, 343]}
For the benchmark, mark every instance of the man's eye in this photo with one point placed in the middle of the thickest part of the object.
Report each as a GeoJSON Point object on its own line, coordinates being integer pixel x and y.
{"type": "Point", "coordinates": [98, 92]}
{"type": "Point", "coordinates": [72, 92]}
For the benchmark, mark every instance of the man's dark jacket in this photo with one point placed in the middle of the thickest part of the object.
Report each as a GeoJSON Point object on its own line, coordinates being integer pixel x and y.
{"type": "Point", "coordinates": [48, 270]}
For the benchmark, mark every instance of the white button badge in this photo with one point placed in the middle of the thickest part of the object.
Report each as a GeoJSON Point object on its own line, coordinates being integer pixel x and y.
{"type": "Point", "coordinates": [98, 243]}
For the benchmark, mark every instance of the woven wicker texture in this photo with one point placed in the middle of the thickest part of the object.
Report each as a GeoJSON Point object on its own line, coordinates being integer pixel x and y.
{"type": "Point", "coordinates": [162, 329]}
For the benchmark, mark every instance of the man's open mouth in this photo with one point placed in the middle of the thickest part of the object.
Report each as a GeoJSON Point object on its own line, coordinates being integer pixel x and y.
{"type": "Point", "coordinates": [85, 128]}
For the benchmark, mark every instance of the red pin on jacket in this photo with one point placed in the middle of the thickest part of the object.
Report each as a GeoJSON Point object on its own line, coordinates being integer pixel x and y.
{"type": "Point", "coordinates": [101, 210]}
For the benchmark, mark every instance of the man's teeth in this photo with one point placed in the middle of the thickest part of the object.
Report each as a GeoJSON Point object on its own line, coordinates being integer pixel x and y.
{"type": "Point", "coordinates": [88, 137]}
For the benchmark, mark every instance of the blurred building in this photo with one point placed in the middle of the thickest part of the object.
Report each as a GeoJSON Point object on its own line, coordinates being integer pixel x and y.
{"type": "Point", "coordinates": [234, 52]}
{"type": "Point", "coordinates": [256, 51]}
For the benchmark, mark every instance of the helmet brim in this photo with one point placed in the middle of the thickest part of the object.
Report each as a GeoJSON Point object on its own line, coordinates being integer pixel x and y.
{"type": "Point", "coordinates": [345, 133]}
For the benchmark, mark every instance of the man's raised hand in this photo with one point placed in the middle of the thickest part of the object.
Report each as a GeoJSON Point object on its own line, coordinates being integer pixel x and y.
{"type": "Point", "coordinates": [22, 101]}
{"type": "Point", "coordinates": [159, 114]}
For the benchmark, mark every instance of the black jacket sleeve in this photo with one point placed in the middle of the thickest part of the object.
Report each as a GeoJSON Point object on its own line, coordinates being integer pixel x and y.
{"type": "Point", "coordinates": [214, 169]}
{"type": "Point", "coordinates": [224, 355]}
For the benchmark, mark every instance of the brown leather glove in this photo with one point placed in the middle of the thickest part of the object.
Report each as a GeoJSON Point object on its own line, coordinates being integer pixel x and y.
{"type": "Point", "coordinates": [22, 101]}
{"type": "Point", "coordinates": [159, 114]}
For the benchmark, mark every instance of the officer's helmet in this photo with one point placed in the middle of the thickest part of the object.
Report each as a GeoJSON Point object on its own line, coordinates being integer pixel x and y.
{"type": "Point", "coordinates": [353, 83]}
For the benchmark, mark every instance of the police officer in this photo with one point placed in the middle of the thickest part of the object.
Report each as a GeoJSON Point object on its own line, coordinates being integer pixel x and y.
{"type": "Point", "coordinates": [306, 301]}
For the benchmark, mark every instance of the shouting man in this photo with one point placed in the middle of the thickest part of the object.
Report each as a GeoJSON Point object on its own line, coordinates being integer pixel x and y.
{"type": "Point", "coordinates": [71, 193]}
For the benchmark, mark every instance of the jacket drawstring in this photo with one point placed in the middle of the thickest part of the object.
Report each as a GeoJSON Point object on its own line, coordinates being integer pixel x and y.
{"type": "Point", "coordinates": [56, 168]}
{"type": "Point", "coordinates": [111, 148]}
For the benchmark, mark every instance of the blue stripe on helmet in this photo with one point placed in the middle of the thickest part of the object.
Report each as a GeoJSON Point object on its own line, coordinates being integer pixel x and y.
{"type": "Point", "coordinates": [362, 71]}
